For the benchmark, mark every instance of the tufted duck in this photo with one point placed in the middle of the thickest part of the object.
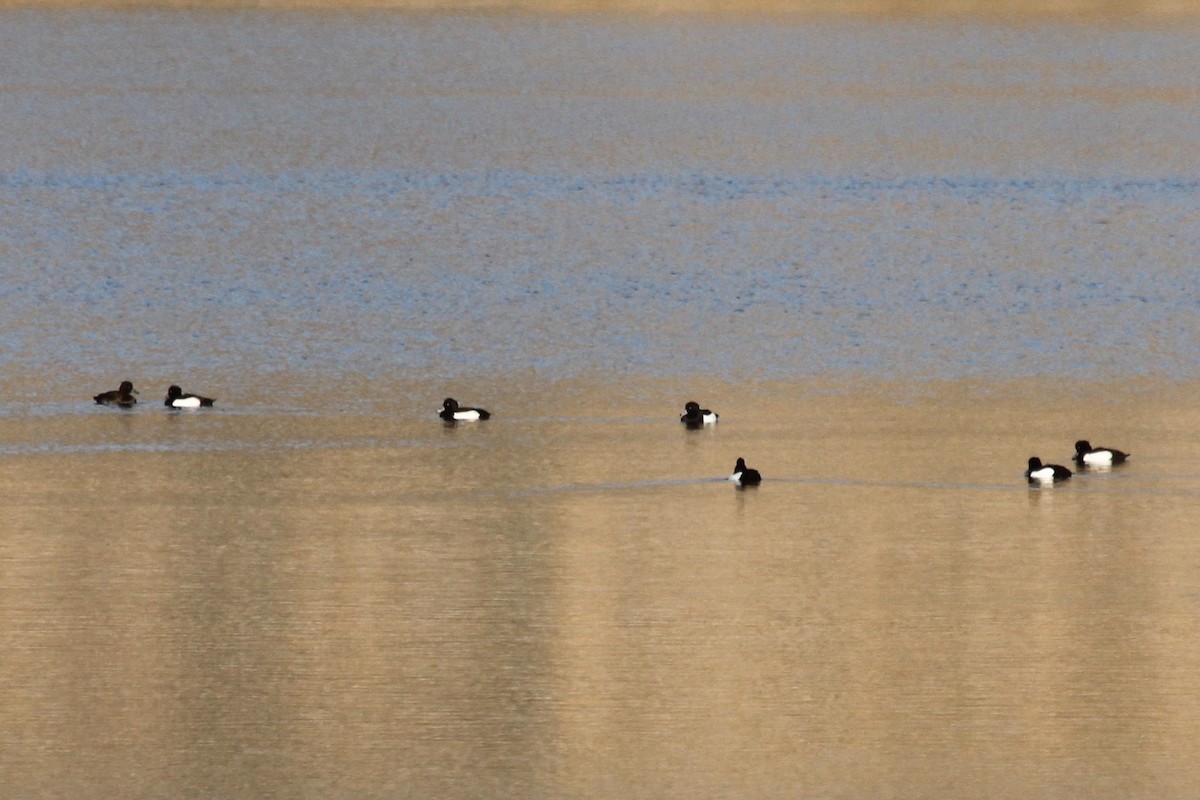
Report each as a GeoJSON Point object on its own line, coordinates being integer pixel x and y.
{"type": "Point", "coordinates": [452, 411]}
{"type": "Point", "coordinates": [743, 475]}
{"type": "Point", "coordinates": [1045, 473]}
{"type": "Point", "coordinates": [177, 399]}
{"type": "Point", "coordinates": [1088, 456]}
{"type": "Point", "coordinates": [122, 396]}
{"type": "Point", "coordinates": [696, 417]}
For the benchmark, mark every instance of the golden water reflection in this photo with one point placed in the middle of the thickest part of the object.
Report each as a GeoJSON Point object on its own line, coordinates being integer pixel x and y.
{"type": "Point", "coordinates": [608, 618]}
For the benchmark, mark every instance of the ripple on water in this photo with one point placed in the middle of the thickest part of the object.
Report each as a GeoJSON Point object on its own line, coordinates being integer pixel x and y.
{"type": "Point", "coordinates": [723, 274]}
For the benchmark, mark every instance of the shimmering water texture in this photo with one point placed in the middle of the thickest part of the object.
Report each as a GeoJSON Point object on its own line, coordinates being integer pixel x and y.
{"type": "Point", "coordinates": [401, 196]}
{"type": "Point", "coordinates": [721, 274]}
{"type": "Point", "coordinates": [898, 256]}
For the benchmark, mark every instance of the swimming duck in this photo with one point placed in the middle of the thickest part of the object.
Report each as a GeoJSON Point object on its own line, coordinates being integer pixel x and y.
{"type": "Point", "coordinates": [695, 417]}
{"type": "Point", "coordinates": [122, 396]}
{"type": "Point", "coordinates": [1088, 456]}
{"type": "Point", "coordinates": [744, 476]}
{"type": "Point", "coordinates": [1045, 473]}
{"type": "Point", "coordinates": [452, 411]}
{"type": "Point", "coordinates": [177, 399]}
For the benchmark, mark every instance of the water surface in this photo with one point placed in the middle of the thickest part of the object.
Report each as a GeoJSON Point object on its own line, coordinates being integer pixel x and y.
{"type": "Point", "coordinates": [898, 257]}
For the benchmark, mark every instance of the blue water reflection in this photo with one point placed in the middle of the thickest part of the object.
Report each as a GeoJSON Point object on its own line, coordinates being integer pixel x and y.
{"type": "Point", "coordinates": [725, 274]}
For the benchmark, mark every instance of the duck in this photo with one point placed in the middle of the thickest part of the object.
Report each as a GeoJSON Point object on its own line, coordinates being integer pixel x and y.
{"type": "Point", "coordinates": [744, 476]}
{"type": "Point", "coordinates": [177, 399]}
{"type": "Point", "coordinates": [122, 396]}
{"type": "Point", "coordinates": [452, 411]}
{"type": "Point", "coordinates": [695, 417]}
{"type": "Point", "coordinates": [1088, 456]}
{"type": "Point", "coordinates": [1045, 473]}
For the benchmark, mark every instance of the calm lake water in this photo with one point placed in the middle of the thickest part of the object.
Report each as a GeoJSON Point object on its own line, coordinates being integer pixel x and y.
{"type": "Point", "coordinates": [899, 257]}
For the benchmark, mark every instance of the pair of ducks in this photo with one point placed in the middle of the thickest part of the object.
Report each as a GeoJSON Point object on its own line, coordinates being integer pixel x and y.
{"type": "Point", "coordinates": [123, 397]}
{"type": "Point", "coordinates": [693, 417]}
{"type": "Point", "coordinates": [1085, 456]}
